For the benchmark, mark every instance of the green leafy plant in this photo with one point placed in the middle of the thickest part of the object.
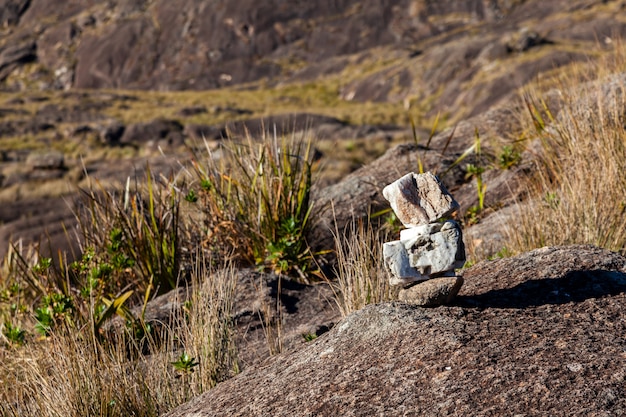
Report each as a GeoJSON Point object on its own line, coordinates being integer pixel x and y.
{"type": "Point", "coordinates": [509, 157]}
{"type": "Point", "coordinates": [309, 337]}
{"type": "Point", "coordinates": [54, 309]}
{"type": "Point", "coordinates": [185, 364]}
{"type": "Point", "coordinates": [14, 333]}
{"type": "Point", "coordinates": [130, 250]}
{"type": "Point", "coordinates": [134, 235]}
{"type": "Point", "coordinates": [42, 266]}
{"type": "Point", "coordinates": [256, 199]}
{"type": "Point", "coordinates": [472, 215]}
{"type": "Point", "coordinates": [191, 196]}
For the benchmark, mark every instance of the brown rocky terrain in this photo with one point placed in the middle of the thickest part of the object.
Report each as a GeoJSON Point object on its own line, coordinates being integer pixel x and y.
{"type": "Point", "coordinates": [537, 334]}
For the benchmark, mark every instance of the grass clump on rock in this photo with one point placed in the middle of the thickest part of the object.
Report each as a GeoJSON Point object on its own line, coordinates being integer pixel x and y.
{"type": "Point", "coordinates": [361, 275]}
{"type": "Point", "coordinates": [73, 372]}
{"type": "Point", "coordinates": [579, 183]}
{"type": "Point", "coordinates": [256, 197]}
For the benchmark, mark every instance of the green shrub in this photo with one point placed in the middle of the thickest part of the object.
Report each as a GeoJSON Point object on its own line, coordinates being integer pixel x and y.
{"type": "Point", "coordinates": [256, 199]}
{"type": "Point", "coordinates": [14, 333]}
{"type": "Point", "coordinates": [509, 157]}
{"type": "Point", "coordinates": [133, 236]}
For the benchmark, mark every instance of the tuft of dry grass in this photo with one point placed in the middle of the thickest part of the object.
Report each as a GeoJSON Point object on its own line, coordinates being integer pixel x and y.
{"type": "Point", "coordinates": [256, 196]}
{"type": "Point", "coordinates": [71, 374]}
{"type": "Point", "coordinates": [361, 275]}
{"type": "Point", "coordinates": [135, 230]}
{"type": "Point", "coordinates": [579, 186]}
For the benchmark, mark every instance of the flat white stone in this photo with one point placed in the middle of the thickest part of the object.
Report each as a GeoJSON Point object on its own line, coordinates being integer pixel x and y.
{"type": "Point", "coordinates": [419, 199]}
{"type": "Point", "coordinates": [422, 251]}
{"type": "Point", "coordinates": [435, 248]}
{"type": "Point", "coordinates": [418, 232]}
{"type": "Point", "coordinates": [397, 261]}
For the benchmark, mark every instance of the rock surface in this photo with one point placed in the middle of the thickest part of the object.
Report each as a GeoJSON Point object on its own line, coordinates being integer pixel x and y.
{"type": "Point", "coordinates": [305, 310]}
{"type": "Point", "coordinates": [538, 334]}
{"type": "Point", "coordinates": [449, 46]}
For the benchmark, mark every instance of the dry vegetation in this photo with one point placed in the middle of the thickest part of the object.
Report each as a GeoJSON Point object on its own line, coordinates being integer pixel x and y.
{"type": "Point", "coordinates": [57, 360]}
{"type": "Point", "coordinates": [74, 372]}
{"type": "Point", "coordinates": [579, 183]}
{"type": "Point", "coordinates": [361, 276]}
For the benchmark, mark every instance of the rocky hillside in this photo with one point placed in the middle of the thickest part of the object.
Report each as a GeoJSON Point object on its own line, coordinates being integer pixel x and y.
{"type": "Point", "coordinates": [453, 57]}
{"type": "Point", "coordinates": [352, 73]}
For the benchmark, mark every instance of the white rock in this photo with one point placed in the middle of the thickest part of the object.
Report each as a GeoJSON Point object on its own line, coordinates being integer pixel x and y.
{"type": "Point", "coordinates": [397, 261]}
{"type": "Point", "coordinates": [423, 251]}
{"type": "Point", "coordinates": [434, 248]}
{"type": "Point", "coordinates": [419, 199]}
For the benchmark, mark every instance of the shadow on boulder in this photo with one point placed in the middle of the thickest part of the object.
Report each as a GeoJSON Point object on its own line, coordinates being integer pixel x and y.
{"type": "Point", "coordinates": [549, 275]}
{"type": "Point", "coordinates": [575, 286]}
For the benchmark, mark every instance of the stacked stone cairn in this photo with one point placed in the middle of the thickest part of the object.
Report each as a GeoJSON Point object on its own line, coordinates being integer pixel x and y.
{"type": "Point", "coordinates": [423, 262]}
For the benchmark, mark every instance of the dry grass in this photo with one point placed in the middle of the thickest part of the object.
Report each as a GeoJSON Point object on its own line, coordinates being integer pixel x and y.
{"type": "Point", "coordinates": [361, 275]}
{"type": "Point", "coordinates": [579, 183]}
{"type": "Point", "coordinates": [71, 374]}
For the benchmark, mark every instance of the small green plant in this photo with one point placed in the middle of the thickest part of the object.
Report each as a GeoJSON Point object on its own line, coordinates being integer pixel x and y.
{"type": "Point", "coordinates": [42, 266]}
{"type": "Point", "coordinates": [469, 263]}
{"type": "Point", "coordinates": [472, 216]}
{"type": "Point", "coordinates": [185, 365]}
{"type": "Point", "coordinates": [551, 199]}
{"type": "Point", "coordinates": [309, 337]}
{"type": "Point", "coordinates": [55, 309]}
{"type": "Point", "coordinates": [392, 223]}
{"type": "Point", "coordinates": [14, 334]}
{"type": "Point", "coordinates": [504, 252]}
{"type": "Point", "coordinates": [289, 250]}
{"type": "Point", "coordinates": [191, 196]}
{"type": "Point", "coordinates": [509, 157]}
{"type": "Point", "coordinates": [476, 171]}
{"type": "Point", "coordinates": [205, 184]}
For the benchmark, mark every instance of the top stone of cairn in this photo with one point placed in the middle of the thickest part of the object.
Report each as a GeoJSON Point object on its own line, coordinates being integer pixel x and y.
{"type": "Point", "coordinates": [419, 199]}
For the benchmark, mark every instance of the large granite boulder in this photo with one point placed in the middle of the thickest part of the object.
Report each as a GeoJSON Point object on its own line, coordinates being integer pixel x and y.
{"type": "Point", "coordinates": [537, 334]}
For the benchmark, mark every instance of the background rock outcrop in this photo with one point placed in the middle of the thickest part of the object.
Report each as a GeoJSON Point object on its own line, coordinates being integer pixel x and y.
{"type": "Point", "coordinates": [466, 55]}
{"type": "Point", "coordinates": [415, 59]}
